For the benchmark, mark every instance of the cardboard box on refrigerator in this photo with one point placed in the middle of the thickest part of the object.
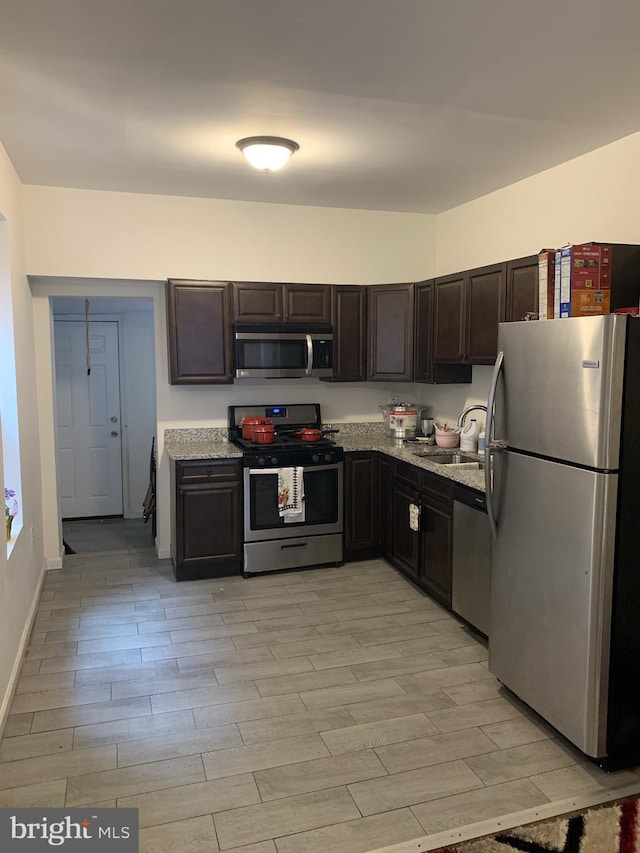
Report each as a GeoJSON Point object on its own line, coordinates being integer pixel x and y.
{"type": "Point", "coordinates": [556, 284]}
{"type": "Point", "coordinates": [546, 282]}
{"type": "Point", "coordinates": [585, 279]}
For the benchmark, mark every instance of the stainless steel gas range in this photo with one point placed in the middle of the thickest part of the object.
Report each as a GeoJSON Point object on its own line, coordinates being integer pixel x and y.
{"type": "Point", "coordinates": [293, 490]}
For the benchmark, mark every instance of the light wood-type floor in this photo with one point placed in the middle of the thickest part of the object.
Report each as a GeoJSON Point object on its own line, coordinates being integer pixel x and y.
{"type": "Point", "coordinates": [333, 709]}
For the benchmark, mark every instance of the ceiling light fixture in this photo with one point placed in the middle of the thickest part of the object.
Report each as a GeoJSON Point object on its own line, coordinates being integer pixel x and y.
{"type": "Point", "coordinates": [268, 153]}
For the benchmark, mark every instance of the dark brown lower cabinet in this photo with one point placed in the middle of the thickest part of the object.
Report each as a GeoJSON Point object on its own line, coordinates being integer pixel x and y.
{"type": "Point", "coordinates": [378, 494]}
{"type": "Point", "coordinates": [436, 549]}
{"type": "Point", "coordinates": [206, 535]}
{"type": "Point", "coordinates": [406, 542]}
{"type": "Point", "coordinates": [385, 504]}
{"type": "Point", "coordinates": [361, 493]}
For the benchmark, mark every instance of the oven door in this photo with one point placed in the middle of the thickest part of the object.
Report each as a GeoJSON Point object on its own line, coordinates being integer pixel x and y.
{"type": "Point", "coordinates": [323, 504]}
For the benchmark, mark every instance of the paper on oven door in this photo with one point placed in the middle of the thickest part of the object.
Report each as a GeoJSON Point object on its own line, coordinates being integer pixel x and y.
{"type": "Point", "coordinates": [291, 494]}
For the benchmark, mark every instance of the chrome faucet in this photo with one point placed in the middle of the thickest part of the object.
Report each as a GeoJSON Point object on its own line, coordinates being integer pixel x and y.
{"type": "Point", "coordinates": [466, 411]}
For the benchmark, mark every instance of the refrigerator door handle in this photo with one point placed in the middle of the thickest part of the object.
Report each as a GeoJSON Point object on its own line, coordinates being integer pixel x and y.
{"type": "Point", "coordinates": [492, 444]}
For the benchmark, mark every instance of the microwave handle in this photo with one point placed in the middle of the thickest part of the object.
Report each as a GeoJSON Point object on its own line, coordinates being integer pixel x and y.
{"type": "Point", "coordinates": [309, 355]}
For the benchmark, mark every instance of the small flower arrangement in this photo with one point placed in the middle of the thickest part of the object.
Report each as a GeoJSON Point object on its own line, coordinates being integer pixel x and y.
{"type": "Point", "coordinates": [11, 509]}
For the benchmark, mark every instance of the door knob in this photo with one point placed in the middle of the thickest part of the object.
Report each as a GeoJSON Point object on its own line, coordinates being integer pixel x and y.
{"type": "Point", "coordinates": [113, 419]}
{"type": "Point", "coordinates": [114, 432]}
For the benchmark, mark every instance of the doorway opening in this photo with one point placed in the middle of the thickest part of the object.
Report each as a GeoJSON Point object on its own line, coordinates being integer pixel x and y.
{"type": "Point", "coordinates": [105, 420]}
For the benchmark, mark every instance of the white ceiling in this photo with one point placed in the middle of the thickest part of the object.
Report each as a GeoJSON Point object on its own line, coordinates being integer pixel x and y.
{"type": "Point", "coordinates": [403, 105]}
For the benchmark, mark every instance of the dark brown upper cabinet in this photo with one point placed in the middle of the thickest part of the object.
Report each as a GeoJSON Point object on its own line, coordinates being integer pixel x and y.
{"type": "Point", "coordinates": [266, 302]}
{"type": "Point", "coordinates": [199, 332]}
{"type": "Point", "coordinates": [522, 288]}
{"type": "Point", "coordinates": [307, 303]}
{"type": "Point", "coordinates": [468, 308]}
{"type": "Point", "coordinates": [390, 332]}
{"type": "Point", "coordinates": [257, 302]}
{"type": "Point", "coordinates": [423, 365]}
{"type": "Point", "coordinates": [349, 320]}
{"type": "Point", "coordinates": [426, 370]}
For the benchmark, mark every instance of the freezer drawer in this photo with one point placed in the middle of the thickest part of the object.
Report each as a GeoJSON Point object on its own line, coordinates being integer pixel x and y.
{"type": "Point", "coordinates": [471, 578]}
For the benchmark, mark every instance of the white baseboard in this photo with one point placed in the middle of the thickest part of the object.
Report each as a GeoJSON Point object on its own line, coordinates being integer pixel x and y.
{"type": "Point", "coordinates": [7, 699]}
{"type": "Point", "coordinates": [163, 553]}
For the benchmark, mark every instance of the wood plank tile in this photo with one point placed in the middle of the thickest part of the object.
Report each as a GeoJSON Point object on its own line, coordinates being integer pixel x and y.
{"type": "Point", "coordinates": [371, 735]}
{"type": "Point", "coordinates": [238, 672]}
{"type": "Point", "coordinates": [398, 706]}
{"type": "Point", "coordinates": [182, 650]}
{"type": "Point", "coordinates": [199, 696]}
{"type": "Point", "coordinates": [474, 714]}
{"type": "Point", "coordinates": [193, 835]}
{"type": "Point", "coordinates": [274, 728]}
{"type": "Point", "coordinates": [18, 724]}
{"type": "Point", "coordinates": [413, 786]}
{"type": "Point", "coordinates": [305, 776]}
{"type": "Point", "coordinates": [258, 756]}
{"type": "Point", "coordinates": [37, 683]}
{"type": "Point", "coordinates": [520, 761]}
{"type": "Point", "coordinates": [313, 680]}
{"type": "Point", "coordinates": [129, 641]}
{"type": "Point", "coordinates": [40, 794]}
{"type": "Point", "coordinates": [43, 743]}
{"type": "Point", "coordinates": [118, 731]}
{"type": "Point", "coordinates": [47, 768]}
{"type": "Point", "coordinates": [138, 779]}
{"type": "Point", "coordinates": [90, 661]}
{"type": "Point", "coordinates": [284, 817]}
{"type": "Point", "coordinates": [354, 656]}
{"type": "Point", "coordinates": [433, 749]}
{"type": "Point", "coordinates": [168, 684]}
{"type": "Point", "coordinates": [350, 693]}
{"type": "Point", "coordinates": [179, 744]}
{"type": "Point", "coordinates": [133, 672]}
{"type": "Point", "coordinates": [64, 697]}
{"type": "Point", "coordinates": [315, 645]}
{"type": "Point", "coordinates": [474, 806]}
{"type": "Point", "coordinates": [252, 709]}
{"type": "Point", "coordinates": [186, 801]}
{"type": "Point", "coordinates": [81, 715]}
{"type": "Point", "coordinates": [355, 836]}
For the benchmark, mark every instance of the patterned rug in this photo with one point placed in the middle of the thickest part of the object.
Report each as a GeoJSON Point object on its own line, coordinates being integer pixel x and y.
{"type": "Point", "coordinates": [611, 828]}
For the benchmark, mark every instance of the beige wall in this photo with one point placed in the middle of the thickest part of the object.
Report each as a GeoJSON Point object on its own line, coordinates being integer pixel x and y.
{"type": "Point", "coordinates": [594, 197]}
{"type": "Point", "coordinates": [127, 236]}
{"type": "Point", "coordinates": [21, 573]}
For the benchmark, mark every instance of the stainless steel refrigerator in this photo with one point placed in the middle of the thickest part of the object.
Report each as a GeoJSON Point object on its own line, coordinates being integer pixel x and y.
{"type": "Point", "coordinates": [563, 497]}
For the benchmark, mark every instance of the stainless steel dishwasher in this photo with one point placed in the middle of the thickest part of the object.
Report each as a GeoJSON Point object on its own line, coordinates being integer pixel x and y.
{"type": "Point", "coordinates": [471, 581]}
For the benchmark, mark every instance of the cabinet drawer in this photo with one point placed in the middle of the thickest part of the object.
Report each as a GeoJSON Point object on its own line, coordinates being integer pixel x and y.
{"type": "Point", "coordinates": [408, 473]}
{"type": "Point", "coordinates": [207, 471]}
{"type": "Point", "coordinates": [441, 487]}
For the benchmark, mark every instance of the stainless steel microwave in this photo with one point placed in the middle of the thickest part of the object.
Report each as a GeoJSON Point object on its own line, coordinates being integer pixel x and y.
{"type": "Point", "coordinates": [282, 352]}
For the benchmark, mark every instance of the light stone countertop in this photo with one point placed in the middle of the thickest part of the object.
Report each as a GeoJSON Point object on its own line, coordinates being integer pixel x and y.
{"type": "Point", "coordinates": [184, 444]}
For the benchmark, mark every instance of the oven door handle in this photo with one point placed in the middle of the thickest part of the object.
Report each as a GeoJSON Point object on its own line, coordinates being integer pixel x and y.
{"type": "Point", "coordinates": [305, 468]}
{"type": "Point", "coordinates": [309, 355]}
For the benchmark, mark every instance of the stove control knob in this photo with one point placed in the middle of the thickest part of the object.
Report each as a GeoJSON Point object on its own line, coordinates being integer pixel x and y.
{"type": "Point", "coordinates": [261, 460]}
{"type": "Point", "coordinates": [316, 457]}
{"type": "Point", "coordinates": [274, 460]}
{"type": "Point", "coordinates": [327, 457]}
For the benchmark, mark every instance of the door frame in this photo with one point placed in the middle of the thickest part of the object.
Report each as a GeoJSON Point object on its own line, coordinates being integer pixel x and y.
{"type": "Point", "coordinates": [42, 289]}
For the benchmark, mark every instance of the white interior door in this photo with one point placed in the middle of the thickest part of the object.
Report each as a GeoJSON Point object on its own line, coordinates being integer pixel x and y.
{"type": "Point", "coordinates": [89, 440]}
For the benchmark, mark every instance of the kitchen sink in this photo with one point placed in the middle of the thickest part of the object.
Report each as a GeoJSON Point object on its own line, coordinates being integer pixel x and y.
{"type": "Point", "coordinates": [452, 459]}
